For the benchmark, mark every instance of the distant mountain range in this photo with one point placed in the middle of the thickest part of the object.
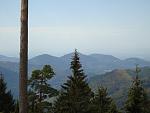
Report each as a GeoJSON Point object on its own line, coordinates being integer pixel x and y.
{"type": "Point", "coordinates": [93, 64]}
{"type": "Point", "coordinates": [10, 59]}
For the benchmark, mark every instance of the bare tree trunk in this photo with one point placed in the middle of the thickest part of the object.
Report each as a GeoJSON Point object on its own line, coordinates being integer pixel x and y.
{"type": "Point", "coordinates": [23, 58]}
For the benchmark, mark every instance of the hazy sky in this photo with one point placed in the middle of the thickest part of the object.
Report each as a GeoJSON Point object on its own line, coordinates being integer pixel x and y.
{"type": "Point", "coordinates": [117, 27]}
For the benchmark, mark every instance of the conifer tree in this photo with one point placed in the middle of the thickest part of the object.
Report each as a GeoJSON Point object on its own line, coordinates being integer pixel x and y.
{"type": "Point", "coordinates": [137, 98]}
{"type": "Point", "coordinates": [7, 103]}
{"type": "Point", "coordinates": [113, 108]}
{"type": "Point", "coordinates": [76, 94]}
{"type": "Point", "coordinates": [40, 89]}
{"type": "Point", "coordinates": [16, 107]}
{"type": "Point", "coordinates": [102, 103]}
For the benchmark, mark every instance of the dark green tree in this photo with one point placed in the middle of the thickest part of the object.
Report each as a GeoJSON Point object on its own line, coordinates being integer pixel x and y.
{"type": "Point", "coordinates": [76, 94]}
{"type": "Point", "coordinates": [32, 101]}
{"type": "Point", "coordinates": [40, 89]}
{"type": "Point", "coordinates": [102, 103]}
{"type": "Point", "coordinates": [137, 101]}
{"type": "Point", "coordinates": [16, 107]}
{"type": "Point", "coordinates": [7, 103]}
{"type": "Point", "coordinates": [113, 108]}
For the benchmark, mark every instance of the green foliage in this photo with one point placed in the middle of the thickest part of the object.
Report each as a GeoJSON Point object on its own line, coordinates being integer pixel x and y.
{"type": "Point", "coordinates": [76, 94]}
{"type": "Point", "coordinates": [7, 103]}
{"type": "Point", "coordinates": [113, 108]}
{"type": "Point", "coordinates": [16, 107]}
{"type": "Point", "coordinates": [118, 82]}
{"type": "Point", "coordinates": [137, 101]}
{"type": "Point", "coordinates": [40, 89]}
{"type": "Point", "coordinates": [102, 103]}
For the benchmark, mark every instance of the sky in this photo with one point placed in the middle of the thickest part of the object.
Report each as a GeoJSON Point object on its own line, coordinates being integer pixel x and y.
{"type": "Point", "coordinates": [115, 27]}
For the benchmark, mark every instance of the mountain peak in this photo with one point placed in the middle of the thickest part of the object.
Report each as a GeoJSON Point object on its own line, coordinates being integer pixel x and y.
{"type": "Point", "coordinates": [44, 55]}
{"type": "Point", "coordinates": [43, 59]}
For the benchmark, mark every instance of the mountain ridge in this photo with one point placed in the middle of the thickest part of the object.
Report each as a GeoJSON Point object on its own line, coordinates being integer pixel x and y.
{"type": "Point", "coordinates": [92, 64]}
{"type": "Point", "coordinates": [118, 82]}
{"type": "Point", "coordinates": [16, 59]}
{"type": "Point", "coordinates": [7, 58]}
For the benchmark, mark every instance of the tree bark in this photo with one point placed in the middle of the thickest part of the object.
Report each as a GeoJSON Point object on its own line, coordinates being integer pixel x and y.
{"type": "Point", "coordinates": [23, 107]}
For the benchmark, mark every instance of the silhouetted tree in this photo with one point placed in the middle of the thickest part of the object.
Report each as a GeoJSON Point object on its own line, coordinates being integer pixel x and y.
{"type": "Point", "coordinates": [7, 103]}
{"type": "Point", "coordinates": [76, 94]}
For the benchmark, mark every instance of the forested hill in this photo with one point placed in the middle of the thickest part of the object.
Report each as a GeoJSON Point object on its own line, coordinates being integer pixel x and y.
{"type": "Point", "coordinates": [118, 82]}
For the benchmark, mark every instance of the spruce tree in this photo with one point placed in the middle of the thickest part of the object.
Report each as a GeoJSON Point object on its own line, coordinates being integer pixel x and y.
{"type": "Point", "coordinates": [137, 98]}
{"type": "Point", "coordinates": [102, 103]}
{"type": "Point", "coordinates": [76, 94]}
{"type": "Point", "coordinates": [7, 103]}
{"type": "Point", "coordinates": [113, 108]}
